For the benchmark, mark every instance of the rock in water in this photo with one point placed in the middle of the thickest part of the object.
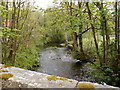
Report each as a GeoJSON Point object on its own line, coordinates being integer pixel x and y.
{"type": "Point", "coordinates": [78, 62]}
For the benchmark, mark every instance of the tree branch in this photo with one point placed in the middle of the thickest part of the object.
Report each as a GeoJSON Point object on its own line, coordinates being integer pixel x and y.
{"type": "Point", "coordinates": [84, 31]}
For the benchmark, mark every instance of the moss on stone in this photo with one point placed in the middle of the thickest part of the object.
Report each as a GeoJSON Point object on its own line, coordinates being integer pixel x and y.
{"type": "Point", "coordinates": [62, 79]}
{"type": "Point", "coordinates": [86, 86]}
{"type": "Point", "coordinates": [70, 81]}
{"type": "Point", "coordinates": [54, 78]}
{"type": "Point", "coordinates": [60, 84]}
{"type": "Point", "coordinates": [3, 71]}
{"type": "Point", "coordinates": [6, 76]}
{"type": "Point", "coordinates": [4, 66]}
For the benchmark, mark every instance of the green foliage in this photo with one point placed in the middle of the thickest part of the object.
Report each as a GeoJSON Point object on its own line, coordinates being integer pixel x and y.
{"type": "Point", "coordinates": [105, 74]}
{"type": "Point", "coordinates": [3, 11]}
{"type": "Point", "coordinates": [31, 27]}
{"type": "Point", "coordinates": [19, 41]}
{"type": "Point", "coordinates": [26, 57]}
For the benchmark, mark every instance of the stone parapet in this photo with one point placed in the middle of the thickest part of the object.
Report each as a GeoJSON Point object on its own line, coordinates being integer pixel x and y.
{"type": "Point", "coordinates": [30, 79]}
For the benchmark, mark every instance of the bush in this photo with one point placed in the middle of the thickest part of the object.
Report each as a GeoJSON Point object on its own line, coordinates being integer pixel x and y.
{"type": "Point", "coordinates": [105, 74]}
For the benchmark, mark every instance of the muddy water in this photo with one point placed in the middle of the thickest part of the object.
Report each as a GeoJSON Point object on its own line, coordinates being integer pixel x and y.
{"type": "Point", "coordinates": [58, 61]}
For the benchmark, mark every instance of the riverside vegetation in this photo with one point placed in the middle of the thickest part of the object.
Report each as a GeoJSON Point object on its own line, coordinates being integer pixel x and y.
{"type": "Point", "coordinates": [90, 29]}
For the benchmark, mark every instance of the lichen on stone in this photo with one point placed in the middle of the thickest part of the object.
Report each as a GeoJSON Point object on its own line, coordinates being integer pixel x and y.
{"type": "Point", "coordinates": [6, 76]}
{"type": "Point", "coordinates": [54, 78]}
{"type": "Point", "coordinates": [86, 86]}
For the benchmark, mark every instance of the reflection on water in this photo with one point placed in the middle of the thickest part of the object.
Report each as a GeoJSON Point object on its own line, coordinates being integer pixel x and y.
{"type": "Point", "coordinates": [60, 62]}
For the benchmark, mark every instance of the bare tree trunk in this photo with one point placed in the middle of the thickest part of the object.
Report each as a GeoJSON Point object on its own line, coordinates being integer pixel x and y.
{"type": "Point", "coordinates": [94, 35]}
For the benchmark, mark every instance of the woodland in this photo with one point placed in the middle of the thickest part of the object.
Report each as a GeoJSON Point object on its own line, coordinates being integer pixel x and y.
{"type": "Point", "coordinates": [90, 29]}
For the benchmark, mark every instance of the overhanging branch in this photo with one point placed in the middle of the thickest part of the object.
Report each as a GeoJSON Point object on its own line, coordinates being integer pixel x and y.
{"type": "Point", "coordinates": [84, 31]}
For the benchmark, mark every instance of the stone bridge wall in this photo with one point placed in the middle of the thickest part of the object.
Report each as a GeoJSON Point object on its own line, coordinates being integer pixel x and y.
{"type": "Point", "coordinates": [29, 79]}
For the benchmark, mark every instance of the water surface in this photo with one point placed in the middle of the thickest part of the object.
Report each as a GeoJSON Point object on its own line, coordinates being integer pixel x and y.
{"type": "Point", "coordinates": [58, 61]}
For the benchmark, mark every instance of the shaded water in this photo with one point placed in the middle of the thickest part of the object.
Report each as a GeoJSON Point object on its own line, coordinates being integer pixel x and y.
{"type": "Point", "coordinates": [59, 62]}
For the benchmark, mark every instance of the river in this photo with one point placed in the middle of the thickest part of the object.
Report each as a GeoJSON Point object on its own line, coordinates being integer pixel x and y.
{"type": "Point", "coordinates": [58, 61]}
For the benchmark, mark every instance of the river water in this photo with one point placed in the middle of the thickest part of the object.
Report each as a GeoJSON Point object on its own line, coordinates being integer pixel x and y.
{"type": "Point", "coordinates": [58, 61]}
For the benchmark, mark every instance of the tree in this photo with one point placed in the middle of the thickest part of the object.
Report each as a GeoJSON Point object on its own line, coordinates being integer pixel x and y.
{"type": "Point", "coordinates": [116, 61]}
{"type": "Point", "coordinates": [80, 29]}
{"type": "Point", "coordinates": [94, 35]}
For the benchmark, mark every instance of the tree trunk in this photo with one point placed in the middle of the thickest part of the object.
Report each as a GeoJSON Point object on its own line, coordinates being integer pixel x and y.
{"type": "Point", "coordinates": [80, 33]}
{"type": "Point", "coordinates": [66, 35]}
{"type": "Point", "coordinates": [103, 27]}
{"type": "Point", "coordinates": [119, 32]}
{"type": "Point", "coordinates": [116, 61]}
{"type": "Point", "coordinates": [5, 39]}
{"type": "Point", "coordinates": [12, 54]}
{"type": "Point", "coordinates": [116, 35]}
{"type": "Point", "coordinates": [66, 39]}
{"type": "Point", "coordinates": [94, 35]}
{"type": "Point", "coordinates": [75, 45]}
{"type": "Point", "coordinates": [105, 32]}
